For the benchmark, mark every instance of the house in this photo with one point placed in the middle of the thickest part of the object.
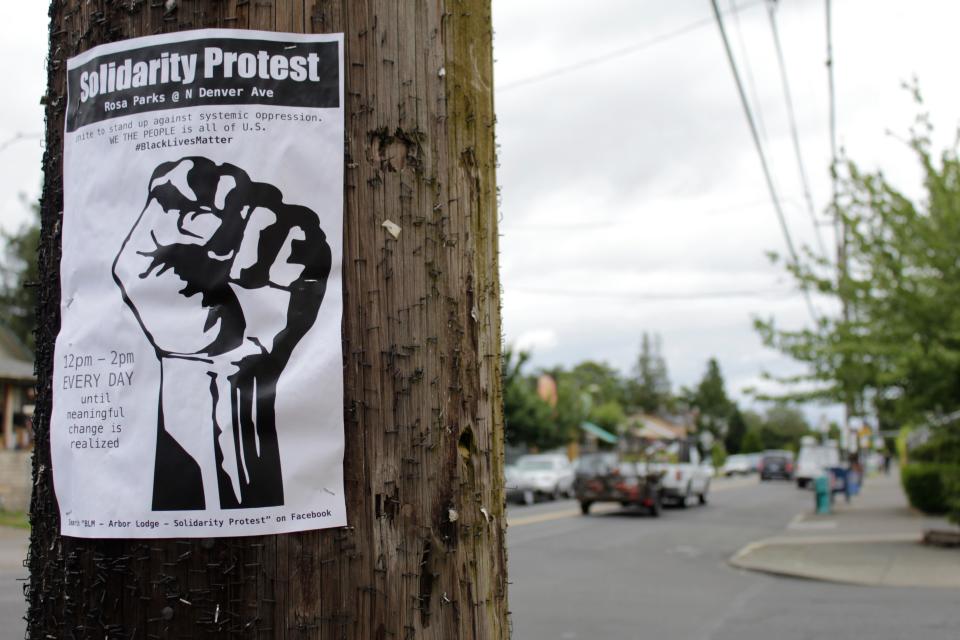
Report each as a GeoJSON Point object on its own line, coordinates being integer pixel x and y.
{"type": "Point", "coordinates": [18, 385]}
{"type": "Point", "coordinates": [644, 426]}
{"type": "Point", "coordinates": [18, 389]}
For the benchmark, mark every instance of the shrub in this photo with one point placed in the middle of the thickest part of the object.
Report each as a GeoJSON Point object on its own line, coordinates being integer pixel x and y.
{"type": "Point", "coordinates": [943, 447]}
{"type": "Point", "coordinates": [931, 487]}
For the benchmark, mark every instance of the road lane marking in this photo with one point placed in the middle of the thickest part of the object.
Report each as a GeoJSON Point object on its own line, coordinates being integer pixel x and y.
{"type": "Point", "coordinates": [557, 515]}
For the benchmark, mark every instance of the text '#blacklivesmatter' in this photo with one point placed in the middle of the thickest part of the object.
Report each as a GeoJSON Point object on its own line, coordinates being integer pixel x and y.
{"type": "Point", "coordinates": [173, 67]}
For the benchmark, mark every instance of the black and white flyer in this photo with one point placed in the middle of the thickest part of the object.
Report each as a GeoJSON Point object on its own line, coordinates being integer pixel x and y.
{"type": "Point", "coordinates": [198, 384]}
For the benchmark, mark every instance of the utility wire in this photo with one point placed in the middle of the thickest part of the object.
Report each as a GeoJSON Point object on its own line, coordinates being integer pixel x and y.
{"type": "Point", "coordinates": [838, 225]}
{"type": "Point", "coordinates": [17, 138]}
{"type": "Point", "coordinates": [662, 297]}
{"type": "Point", "coordinates": [561, 227]}
{"type": "Point", "coordinates": [771, 14]}
{"type": "Point", "coordinates": [612, 55]}
{"type": "Point", "coordinates": [763, 158]}
{"type": "Point", "coordinates": [748, 71]}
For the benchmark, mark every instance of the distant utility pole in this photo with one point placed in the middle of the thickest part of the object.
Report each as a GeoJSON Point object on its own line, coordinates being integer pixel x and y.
{"type": "Point", "coordinates": [423, 556]}
{"type": "Point", "coordinates": [840, 227]}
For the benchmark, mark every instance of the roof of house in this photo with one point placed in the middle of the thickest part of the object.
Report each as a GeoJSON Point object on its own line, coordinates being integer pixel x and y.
{"type": "Point", "coordinates": [650, 427]}
{"type": "Point", "coordinates": [16, 360]}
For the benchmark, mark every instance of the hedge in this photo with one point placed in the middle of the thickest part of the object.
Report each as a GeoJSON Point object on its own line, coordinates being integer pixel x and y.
{"type": "Point", "coordinates": [931, 487]}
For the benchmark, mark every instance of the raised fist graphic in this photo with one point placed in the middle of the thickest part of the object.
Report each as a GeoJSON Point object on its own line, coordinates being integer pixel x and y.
{"type": "Point", "coordinates": [225, 279]}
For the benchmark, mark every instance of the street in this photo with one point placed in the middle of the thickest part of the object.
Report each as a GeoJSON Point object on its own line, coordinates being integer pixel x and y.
{"type": "Point", "coordinates": [620, 575]}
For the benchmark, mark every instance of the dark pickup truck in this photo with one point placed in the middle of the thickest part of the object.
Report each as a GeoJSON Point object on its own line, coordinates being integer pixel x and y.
{"type": "Point", "coordinates": [607, 478]}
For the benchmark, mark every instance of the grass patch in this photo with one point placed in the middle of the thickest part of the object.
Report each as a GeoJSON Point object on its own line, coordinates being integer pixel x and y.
{"type": "Point", "coordinates": [16, 519]}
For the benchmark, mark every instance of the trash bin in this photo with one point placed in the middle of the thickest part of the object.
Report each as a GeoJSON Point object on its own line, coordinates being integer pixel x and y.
{"type": "Point", "coordinates": [822, 494]}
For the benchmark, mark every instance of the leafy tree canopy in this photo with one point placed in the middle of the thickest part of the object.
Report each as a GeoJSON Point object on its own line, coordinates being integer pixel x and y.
{"type": "Point", "coordinates": [896, 350]}
{"type": "Point", "coordinates": [19, 277]}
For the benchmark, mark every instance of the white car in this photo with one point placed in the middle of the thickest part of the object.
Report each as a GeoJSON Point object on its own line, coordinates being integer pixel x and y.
{"type": "Point", "coordinates": [683, 481]}
{"type": "Point", "coordinates": [736, 465]}
{"type": "Point", "coordinates": [544, 474]}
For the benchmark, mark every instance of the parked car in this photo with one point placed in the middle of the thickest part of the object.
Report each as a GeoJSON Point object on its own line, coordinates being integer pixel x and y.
{"type": "Point", "coordinates": [683, 481]}
{"type": "Point", "coordinates": [815, 460]}
{"type": "Point", "coordinates": [736, 465]}
{"type": "Point", "coordinates": [540, 475]}
{"type": "Point", "coordinates": [776, 464]}
{"type": "Point", "coordinates": [613, 480]}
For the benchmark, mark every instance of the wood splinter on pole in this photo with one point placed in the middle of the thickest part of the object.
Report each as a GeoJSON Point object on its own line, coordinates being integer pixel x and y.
{"type": "Point", "coordinates": [423, 553]}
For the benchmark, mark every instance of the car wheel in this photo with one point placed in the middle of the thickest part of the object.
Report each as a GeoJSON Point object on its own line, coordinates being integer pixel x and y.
{"type": "Point", "coordinates": [585, 507]}
{"type": "Point", "coordinates": [703, 496]}
{"type": "Point", "coordinates": [801, 483]}
{"type": "Point", "coordinates": [529, 497]}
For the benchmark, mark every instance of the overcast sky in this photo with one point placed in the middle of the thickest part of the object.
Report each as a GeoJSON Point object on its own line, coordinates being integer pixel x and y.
{"type": "Point", "coordinates": [632, 196]}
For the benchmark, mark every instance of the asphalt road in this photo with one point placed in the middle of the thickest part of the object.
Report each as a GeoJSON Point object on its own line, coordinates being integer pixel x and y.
{"type": "Point", "coordinates": [622, 575]}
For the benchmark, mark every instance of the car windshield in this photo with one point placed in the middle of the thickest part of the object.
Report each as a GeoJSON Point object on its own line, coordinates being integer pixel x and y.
{"type": "Point", "coordinates": [535, 465]}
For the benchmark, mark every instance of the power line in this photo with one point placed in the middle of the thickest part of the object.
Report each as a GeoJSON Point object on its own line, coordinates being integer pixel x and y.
{"type": "Point", "coordinates": [560, 227]}
{"type": "Point", "coordinates": [660, 297]}
{"type": "Point", "coordinates": [771, 14]}
{"type": "Point", "coordinates": [838, 226]}
{"type": "Point", "coordinates": [748, 71]}
{"type": "Point", "coordinates": [763, 157]}
{"type": "Point", "coordinates": [17, 138]}
{"type": "Point", "coordinates": [613, 55]}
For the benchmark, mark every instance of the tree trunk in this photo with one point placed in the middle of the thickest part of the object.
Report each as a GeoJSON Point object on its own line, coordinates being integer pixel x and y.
{"type": "Point", "coordinates": [423, 555]}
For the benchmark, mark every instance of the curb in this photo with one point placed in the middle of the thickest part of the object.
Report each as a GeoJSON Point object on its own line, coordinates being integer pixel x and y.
{"type": "Point", "coordinates": [738, 560]}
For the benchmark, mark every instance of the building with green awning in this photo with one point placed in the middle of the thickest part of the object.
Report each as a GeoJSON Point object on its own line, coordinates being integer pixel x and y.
{"type": "Point", "coordinates": [598, 433]}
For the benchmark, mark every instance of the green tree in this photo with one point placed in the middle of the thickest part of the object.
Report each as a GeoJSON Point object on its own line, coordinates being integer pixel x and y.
{"type": "Point", "coordinates": [598, 379]}
{"type": "Point", "coordinates": [19, 277]}
{"type": "Point", "coordinates": [570, 412]}
{"type": "Point", "coordinates": [736, 431]}
{"type": "Point", "coordinates": [528, 419]}
{"type": "Point", "coordinates": [783, 426]}
{"type": "Point", "coordinates": [649, 389]}
{"type": "Point", "coordinates": [896, 350]}
{"type": "Point", "coordinates": [711, 401]}
{"type": "Point", "coordinates": [752, 442]}
{"type": "Point", "coordinates": [609, 415]}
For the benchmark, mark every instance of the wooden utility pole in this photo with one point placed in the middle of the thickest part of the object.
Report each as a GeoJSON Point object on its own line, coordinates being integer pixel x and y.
{"type": "Point", "coordinates": [423, 555]}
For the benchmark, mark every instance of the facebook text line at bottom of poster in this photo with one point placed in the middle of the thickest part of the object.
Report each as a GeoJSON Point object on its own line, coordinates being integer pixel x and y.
{"type": "Point", "coordinates": [194, 523]}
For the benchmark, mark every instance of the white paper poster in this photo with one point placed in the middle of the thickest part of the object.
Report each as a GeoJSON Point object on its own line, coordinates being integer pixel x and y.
{"type": "Point", "coordinates": [198, 384]}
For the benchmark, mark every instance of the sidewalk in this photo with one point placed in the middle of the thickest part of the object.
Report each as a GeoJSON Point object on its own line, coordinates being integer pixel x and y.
{"type": "Point", "coordinates": [874, 540]}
